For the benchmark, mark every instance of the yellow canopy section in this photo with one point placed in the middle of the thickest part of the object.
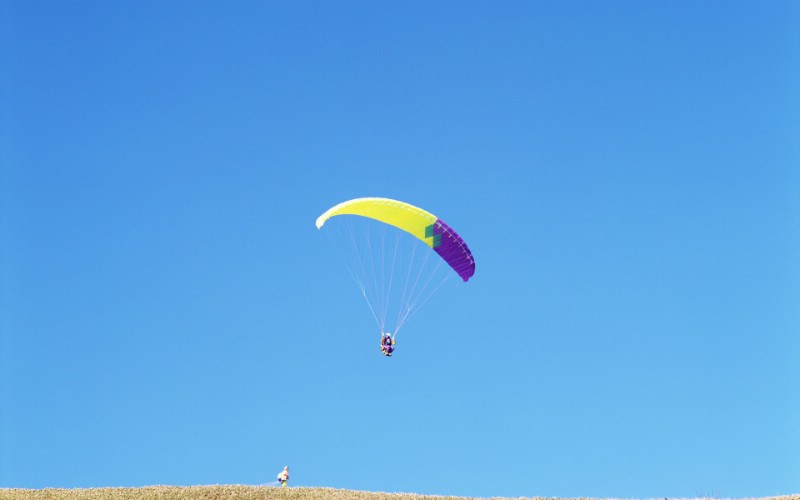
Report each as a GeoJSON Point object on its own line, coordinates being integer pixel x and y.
{"type": "Point", "coordinates": [407, 217]}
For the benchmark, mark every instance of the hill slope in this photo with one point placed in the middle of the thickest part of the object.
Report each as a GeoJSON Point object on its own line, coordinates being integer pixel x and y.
{"type": "Point", "coordinates": [225, 492]}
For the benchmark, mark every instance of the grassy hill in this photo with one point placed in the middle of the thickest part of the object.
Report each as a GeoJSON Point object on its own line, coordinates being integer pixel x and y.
{"type": "Point", "coordinates": [220, 492]}
{"type": "Point", "coordinates": [207, 493]}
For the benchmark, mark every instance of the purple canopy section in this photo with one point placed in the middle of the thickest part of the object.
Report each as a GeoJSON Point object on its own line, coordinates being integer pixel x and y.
{"type": "Point", "coordinates": [449, 245]}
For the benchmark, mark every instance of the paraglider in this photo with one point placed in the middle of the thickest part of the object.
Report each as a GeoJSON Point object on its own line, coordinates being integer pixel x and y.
{"type": "Point", "coordinates": [398, 254]}
{"type": "Point", "coordinates": [387, 344]}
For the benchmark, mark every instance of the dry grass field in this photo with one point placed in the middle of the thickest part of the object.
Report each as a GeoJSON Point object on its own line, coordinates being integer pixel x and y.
{"type": "Point", "coordinates": [218, 492]}
{"type": "Point", "coordinates": [221, 492]}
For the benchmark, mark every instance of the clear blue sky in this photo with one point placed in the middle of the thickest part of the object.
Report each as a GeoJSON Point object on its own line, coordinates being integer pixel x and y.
{"type": "Point", "coordinates": [627, 175]}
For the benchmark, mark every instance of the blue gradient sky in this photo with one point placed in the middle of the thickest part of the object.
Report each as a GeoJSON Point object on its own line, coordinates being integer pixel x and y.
{"type": "Point", "coordinates": [626, 174]}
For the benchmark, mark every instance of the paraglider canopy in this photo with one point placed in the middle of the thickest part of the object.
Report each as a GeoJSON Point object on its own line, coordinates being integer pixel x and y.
{"type": "Point", "coordinates": [415, 221]}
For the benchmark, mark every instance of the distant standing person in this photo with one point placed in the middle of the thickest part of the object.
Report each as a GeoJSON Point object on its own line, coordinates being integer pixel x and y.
{"type": "Point", "coordinates": [283, 476]}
